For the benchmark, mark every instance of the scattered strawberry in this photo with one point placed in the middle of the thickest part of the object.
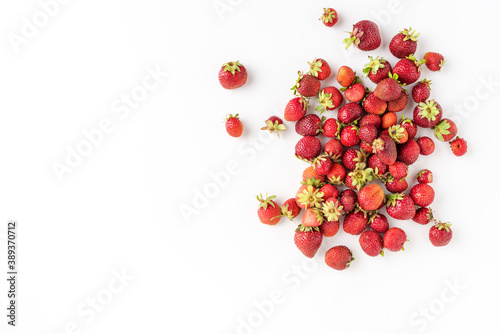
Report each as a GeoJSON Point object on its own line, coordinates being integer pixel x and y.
{"type": "Point", "coordinates": [331, 209]}
{"type": "Point", "coordinates": [398, 170]}
{"type": "Point", "coordinates": [308, 240]}
{"type": "Point", "coordinates": [424, 176]}
{"type": "Point", "coordinates": [398, 104]}
{"type": "Point", "coordinates": [389, 119]}
{"type": "Point", "coordinates": [232, 75]}
{"type": "Point", "coordinates": [394, 185]}
{"type": "Point", "coordinates": [355, 222]}
{"type": "Point", "coordinates": [329, 228]}
{"type": "Point", "coordinates": [422, 194]}
{"type": "Point", "coordinates": [320, 68]}
{"type": "Point", "coordinates": [349, 113]}
{"type": "Point", "coordinates": [322, 164]}
{"type": "Point", "coordinates": [349, 136]}
{"type": "Point", "coordinates": [337, 173]}
{"type": "Point", "coordinates": [371, 242]}
{"type": "Point", "coordinates": [423, 216]}
{"type": "Point", "coordinates": [400, 206]}
{"type": "Point", "coordinates": [434, 61]}
{"type": "Point", "coordinates": [427, 114]}
{"type": "Point", "coordinates": [368, 133]}
{"type": "Point", "coordinates": [408, 152]}
{"type": "Point", "coordinates": [331, 128]}
{"type": "Point", "coordinates": [309, 125]}
{"type": "Point", "coordinates": [358, 178]}
{"type": "Point", "coordinates": [459, 146]}
{"type": "Point", "coordinates": [310, 173]}
{"type": "Point", "coordinates": [445, 130]}
{"type": "Point", "coordinates": [274, 124]}
{"type": "Point", "coordinates": [339, 257]}
{"type": "Point", "coordinates": [290, 209]}
{"type": "Point", "coordinates": [365, 146]}
{"type": "Point", "coordinates": [329, 191]}
{"type": "Point", "coordinates": [329, 98]}
{"type": "Point", "coordinates": [394, 239]}
{"type": "Point", "coordinates": [378, 166]}
{"type": "Point", "coordinates": [312, 217]}
{"type": "Point", "coordinates": [404, 43]}
{"type": "Point", "coordinates": [348, 199]}
{"type": "Point", "coordinates": [410, 126]}
{"type": "Point", "coordinates": [426, 145]}
{"type": "Point", "coordinates": [385, 148]}
{"type": "Point", "coordinates": [408, 69]}
{"type": "Point", "coordinates": [370, 197]}
{"type": "Point", "coordinates": [296, 108]}
{"type": "Point", "coordinates": [307, 85]}
{"type": "Point", "coordinates": [377, 69]}
{"type": "Point", "coordinates": [308, 197]}
{"type": "Point", "coordinates": [388, 89]}
{"type": "Point", "coordinates": [374, 105]}
{"type": "Point", "coordinates": [379, 223]}
{"type": "Point", "coordinates": [269, 211]}
{"type": "Point", "coordinates": [345, 76]}
{"type": "Point", "coordinates": [365, 36]}
{"type": "Point", "coordinates": [355, 93]}
{"type": "Point", "coordinates": [334, 148]}
{"type": "Point", "coordinates": [308, 148]}
{"type": "Point", "coordinates": [354, 159]}
{"type": "Point", "coordinates": [234, 127]}
{"type": "Point", "coordinates": [329, 17]}
{"type": "Point", "coordinates": [370, 119]}
{"type": "Point", "coordinates": [421, 91]}
{"type": "Point", "coordinates": [398, 133]}
{"type": "Point", "coordinates": [440, 234]}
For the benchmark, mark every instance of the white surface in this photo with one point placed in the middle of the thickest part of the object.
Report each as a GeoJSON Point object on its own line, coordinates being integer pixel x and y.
{"type": "Point", "coordinates": [120, 207]}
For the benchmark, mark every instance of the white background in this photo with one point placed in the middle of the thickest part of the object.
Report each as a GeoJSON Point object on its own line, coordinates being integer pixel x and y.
{"type": "Point", "coordinates": [119, 209]}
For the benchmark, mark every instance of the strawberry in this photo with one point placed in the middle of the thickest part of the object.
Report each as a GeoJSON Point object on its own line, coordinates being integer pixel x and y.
{"type": "Point", "coordinates": [410, 126]}
{"type": "Point", "coordinates": [269, 212]}
{"type": "Point", "coordinates": [440, 234]}
{"type": "Point", "coordinates": [425, 176]}
{"type": "Point", "coordinates": [331, 209]}
{"type": "Point", "coordinates": [353, 159]}
{"type": "Point", "coordinates": [339, 257]}
{"type": "Point", "coordinates": [370, 197]}
{"type": "Point", "coordinates": [312, 218]}
{"type": "Point", "coordinates": [331, 128]}
{"type": "Point", "coordinates": [232, 75]}
{"type": "Point", "coordinates": [296, 108]}
{"type": "Point", "coordinates": [434, 61]}
{"type": "Point", "coordinates": [365, 36]}
{"type": "Point", "coordinates": [345, 76]}
{"type": "Point", "coordinates": [320, 69]}
{"type": "Point", "coordinates": [274, 124]}
{"type": "Point", "coordinates": [404, 43]}
{"type": "Point", "coordinates": [423, 216]}
{"type": "Point", "coordinates": [349, 136]}
{"type": "Point", "coordinates": [408, 70]}
{"type": "Point", "coordinates": [408, 152]}
{"type": "Point", "coordinates": [422, 194]}
{"type": "Point", "coordinates": [306, 85]}
{"type": "Point", "coordinates": [355, 93]}
{"type": "Point", "coordinates": [388, 89]}
{"type": "Point", "coordinates": [385, 148]}
{"type": "Point", "coordinates": [349, 113]}
{"type": "Point", "coordinates": [290, 209]}
{"type": "Point", "coordinates": [368, 133]}
{"type": "Point", "coordinates": [398, 104]}
{"type": "Point", "coordinates": [389, 119]}
{"type": "Point", "coordinates": [400, 206]}
{"type": "Point", "coordinates": [329, 228]}
{"type": "Point", "coordinates": [458, 146]}
{"type": "Point", "coordinates": [445, 130]}
{"type": "Point", "coordinates": [309, 125]}
{"type": "Point", "coordinates": [394, 239]}
{"type": "Point", "coordinates": [233, 125]}
{"type": "Point", "coordinates": [365, 146]}
{"type": "Point", "coordinates": [357, 178]}
{"type": "Point", "coordinates": [378, 166]}
{"type": "Point", "coordinates": [398, 170]}
{"type": "Point", "coordinates": [308, 148]}
{"type": "Point", "coordinates": [374, 105]}
{"type": "Point", "coordinates": [370, 119]}
{"type": "Point", "coordinates": [308, 197]}
{"type": "Point", "coordinates": [427, 114]}
{"type": "Point", "coordinates": [322, 164]}
{"type": "Point", "coordinates": [421, 91]}
{"type": "Point", "coordinates": [379, 223]}
{"type": "Point", "coordinates": [398, 133]}
{"type": "Point", "coordinates": [329, 17]}
{"type": "Point", "coordinates": [329, 98]}
{"type": "Point", "coordinates": [334, 148]}
{"type": "Point", "coordinates": [394, 185]}
{"type": "Point", "coordinates": [348, 199]}
{"type": "Point", "coordinates": [310, 173]}
{"type": "Point", "coordinates": [371, 243]}
{"type": "Point", "coordinates": [355, 222]}
{"type": "Point", "coordinates": [329, 191]}
{"type": "Point", "coordinates": [337, 173]}
{"type": "Point", "coordinates": [308, 240]}
{"type": "Point", "coordinates": [377, 69]}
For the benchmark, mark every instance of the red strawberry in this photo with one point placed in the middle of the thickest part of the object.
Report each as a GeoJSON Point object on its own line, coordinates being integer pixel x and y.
{"type": "Point", "coordinates": [427, 114]}
{"type": "Point", "coordinates": [399, 170]}
{"type": "Point", "coordinates": [290, 209]}
{"type": "Point", "coordinates": [421, 91]}
{"type": "Point", "coordinates": [319, 68]}
{"type": "Point", "coordinates": [365, 36]}
{"type": "Point", "coordinates": [331, 128]}
{"type": "Point", "coordinates": [458, 146]}
{"type": "Point", "coordinates": [308, 197]}
{"type": "Point", "coordinates": [370, 119]}
{"type": "Point", "coordinates": [426, 145]}
{"type": "Point", "coordinates": [434, 61]}
{"type": "Point", "coordinates": [331, 209]}
{"type": "Point", "coordinates": [374, 105]}
{"type": "Point", "coordinates": [329, 17]}
{"type": "Point", "coordinates": [398, 133]}
{"type": "Point", "coordinates": [308, 148]}
{"type": "Point", "coordinates": [346, 76]}
{"type": "Point", "coordinates": [404, 44]}
{"type": "Point", "coordinates": [349, 136]}
{"type": "Point", "coordinates": [312, 218]}
{"type": "Point", "coordinates": [334, 148]}
{"type": "Point", "coordinates": [408, 70]}
{"type": "Point", "coordinates": [329, 228]}
{"type": "Point", "coordinates": [379, 223]}
{"type": "Point", "coordinates": [370, 197]}
{"type": "Point", "coordinates": [424, 176]}
{"type": "Point", "coordinates": [353, 159]}
{"type": "Point", "coordinates": [408, 152]}
{"type": "Point", "coordinates": [339, 257]}
{"type": "Point", "coordinates": [308, 240]}
{"type": "Point", "coordinates": [349, 113]}
{"type": "Point", "coordinates": [357, 178]}
{"type": "Point", "coordinates": [410, 126]}
{"type": "Point", "coordinates": [400, 206]}
{"type": "Point", "coordinates": [322, 164]}
{"type": "Point", "coordinates": [330, 98]}
{"type": "Point", "coordinates": [440, 234]}
{"type": "Point", "coordinates": [385, 148]}
{"type": "Point", "coordinates": [398, 104]}
{"type": "Point", "coordinates": [396, 185]}
{"type": "Point", "coordinates": [329, 191]}
{"type": "Point", "coordinates": [367, 147]}
{"type": "Point", "coordinates": [234, 127]}
{"type": "Point", "coordinates": [394, 239]}
{"type": "Point", "coordinates": [336, 174]}
{"type": "Point", "coordinates": [306, 85]}
{"type": "Point", "coordinates": [368, 133]}
{"type": "Point", "coordinates": [378, 166]}
{"type": "Point", "coordinates": [274, 124]}
{"type": "Point", "coordinates": [422, 194]}
{"type": "Point", "coordinates": [377, 69]}
{"type": "Point", "coordinates": [310, 173]}
{"type": "Point", "coordinates": [348, 199]}
{"type": "Point", "coordinates": [269, 212]}
{"type": "Point", "coordinates": [355, 93]}
{"type": "Point", "coordinates": [423, 216]}
{"type": "Point", "coordinates": [296, 108]}
{"type": "Point", "coordinates": [445, 130]}
{"type": "Point", "coordinates": [371, 243]}
{"type": "Point", "coordinates": [355, 222]}
{"type": "Point", "coordinates": [388, 90]}
{"type": "Point", "coordinates": [309, 125]}
{"type": "Point", "coordinates": [232, 75]}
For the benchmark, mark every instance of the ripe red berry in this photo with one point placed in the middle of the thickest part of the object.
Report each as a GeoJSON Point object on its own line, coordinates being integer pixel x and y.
{"type": "Point", "coordinates": [459, 146]}
{"type": "Point", "coordinates": [233, 125]}
{"type": "Point", "coordinates": [232, 75]}
{"type": "Point", "coordinates": [339, 257]}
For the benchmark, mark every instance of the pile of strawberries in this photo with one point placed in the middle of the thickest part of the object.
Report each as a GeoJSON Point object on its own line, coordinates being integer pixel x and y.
{"type": "Point", "coordinates": [363, 167]}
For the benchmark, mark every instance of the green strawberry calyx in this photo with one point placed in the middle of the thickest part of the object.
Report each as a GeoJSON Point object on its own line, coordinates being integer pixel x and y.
{"type": "Point", "coordinates": [286, 212]}
{"type": "Point", "coordinates": [310, 197]}
{"type": "Point", "coordinates": [442, 128]}
{"type": "Point", "coordinates": [428, 109]}
{"type": "Point", "coordinates": [374, 65]}
{"type": "Point", "coordinates": [302, 228]}
{"type": "Point", "coordinates": [397, 132]}
{"type": "Point", "coordinates": [361, 176]}
{"type": "Point", "coordinates": [265, 202]}
{"type": "Point", "coordinates": [417, 63]}
{"type": "Point", "coordinates": [409, 34]}
{"type": "Point", "coordinates": [443, 226]}
{"type": "Point", "coordinates": [312, 181]}
{"type": "Point", "coordinates": [392, 199]}
{"type": "Point", "coordinates": [274, 127]}
{"type": "Point", "coordinates": [425, 82]}
{"type": "Point", "coordinates": [332, 210]}
{"type": "Point", "coordinates": [328, 15]}
{"type": "Point", "coordinates": [315, 67]}
{"type": "Point", "coordinates": [297, 83]}
{"type": "Point", "coordinates": [304, 102]}
{"type": "Point", "coordinates": [354, 38]}
{"type": "Point", "coordinates": [325, 101]}
{"type": "Point", "coordinates": [232, 67]}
